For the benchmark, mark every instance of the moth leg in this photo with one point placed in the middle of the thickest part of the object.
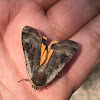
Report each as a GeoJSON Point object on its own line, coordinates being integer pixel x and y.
{"type": "Point", "coordinates": [24, 80]}
{"type": "Point", "coordinates": [46, 87]}
{"type": "Point", "coordinates": [35, 88]}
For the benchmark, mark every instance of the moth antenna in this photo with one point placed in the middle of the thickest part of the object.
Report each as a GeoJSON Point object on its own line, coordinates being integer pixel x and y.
{"type": "Point", "coordinates": [24, 80]}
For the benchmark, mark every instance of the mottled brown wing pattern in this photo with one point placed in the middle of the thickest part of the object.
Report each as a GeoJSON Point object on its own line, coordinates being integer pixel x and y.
{"type": "Point", "coordinates": [31, 41]}
{"type": "Point", "coordinates": [62, 54]}
{"type": "Point", "coordinates": [44, 64]}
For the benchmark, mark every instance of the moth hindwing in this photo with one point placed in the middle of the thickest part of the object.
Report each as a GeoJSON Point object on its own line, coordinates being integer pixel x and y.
{"type": "Point", "coordinates": [44, 62]}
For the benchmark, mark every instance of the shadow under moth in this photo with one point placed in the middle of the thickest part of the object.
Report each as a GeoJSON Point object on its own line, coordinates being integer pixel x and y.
{"type": "Point", "coordinates": [45, 62]}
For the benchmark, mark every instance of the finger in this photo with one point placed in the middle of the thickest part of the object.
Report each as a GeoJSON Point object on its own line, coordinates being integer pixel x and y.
{"type": "Point", "coordinates": [89, 52]}
{"type": "Point", "coordinates": [68, 16]}
{"type": "Point", "coordinates": [46, 3]}
{"type": "Point", "coordinates": [4, 15]}
{"type": "Point", "coordinates": [7, 74]}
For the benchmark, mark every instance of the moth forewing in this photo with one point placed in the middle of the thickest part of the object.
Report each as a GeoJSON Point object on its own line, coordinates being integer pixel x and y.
{"type": "Point", "coordinates": [63, 52]}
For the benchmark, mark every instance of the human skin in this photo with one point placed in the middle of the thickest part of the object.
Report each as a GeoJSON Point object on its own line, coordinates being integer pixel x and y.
{"type": "Point", "coordinates": [77, 20]}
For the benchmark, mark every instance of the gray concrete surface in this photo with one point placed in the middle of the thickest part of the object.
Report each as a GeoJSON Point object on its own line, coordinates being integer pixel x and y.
{"type": "Point", "coordinates": [90, 89]}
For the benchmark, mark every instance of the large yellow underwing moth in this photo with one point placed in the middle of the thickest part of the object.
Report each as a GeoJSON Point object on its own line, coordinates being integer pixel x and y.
{"type": "Point", "coordinates": [44, 62]}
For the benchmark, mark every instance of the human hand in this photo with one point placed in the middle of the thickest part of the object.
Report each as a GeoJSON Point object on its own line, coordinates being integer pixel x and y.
{"type": "Point", "coordinates": [58, 20]}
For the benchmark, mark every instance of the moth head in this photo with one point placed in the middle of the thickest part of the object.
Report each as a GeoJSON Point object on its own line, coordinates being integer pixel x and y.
{"type": "Point", "coordinates": [39, 79]}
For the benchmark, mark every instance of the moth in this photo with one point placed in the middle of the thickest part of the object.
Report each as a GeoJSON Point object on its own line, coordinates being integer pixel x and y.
{"type": "Point", "coordinates": [45, 62]}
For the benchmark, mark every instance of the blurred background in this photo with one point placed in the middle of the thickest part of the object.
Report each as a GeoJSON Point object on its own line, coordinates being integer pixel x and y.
{"type": "Point", "coordinates": [90, 89]}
